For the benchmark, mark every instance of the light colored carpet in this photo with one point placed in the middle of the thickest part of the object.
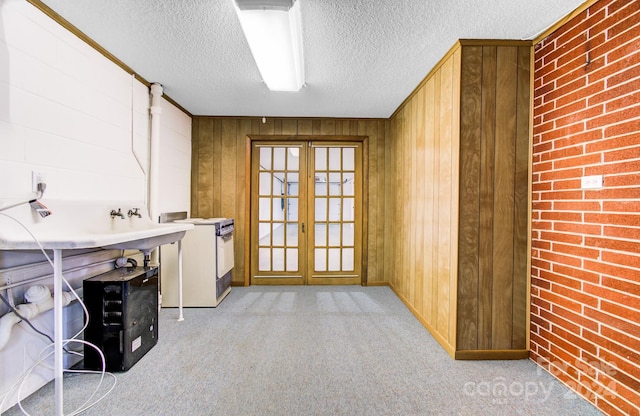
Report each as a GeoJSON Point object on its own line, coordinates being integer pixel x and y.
{"type": "Point", "coordinates": [324, 350]}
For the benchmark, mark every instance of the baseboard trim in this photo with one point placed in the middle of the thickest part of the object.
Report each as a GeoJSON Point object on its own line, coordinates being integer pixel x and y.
{"type": "Point", "coordinates": [492, 355]}
{"type": "Point", "coordinates": [462, 354]}
{"type": "Point", "coordinates": [377, 284]}
{"type": "Point", "coordinates": [450, 349]}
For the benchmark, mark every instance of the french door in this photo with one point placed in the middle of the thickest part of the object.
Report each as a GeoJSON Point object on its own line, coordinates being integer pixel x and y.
{"type": "Point", "coordinates": [306, 212]}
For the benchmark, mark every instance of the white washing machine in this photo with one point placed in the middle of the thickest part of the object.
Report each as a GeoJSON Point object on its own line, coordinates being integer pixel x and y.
{"type": "Point", "coordinates": [207, 264]}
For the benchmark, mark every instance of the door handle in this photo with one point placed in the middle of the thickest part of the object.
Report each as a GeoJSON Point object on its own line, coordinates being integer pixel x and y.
{"type": "Point", "coordinates": [302, 227]}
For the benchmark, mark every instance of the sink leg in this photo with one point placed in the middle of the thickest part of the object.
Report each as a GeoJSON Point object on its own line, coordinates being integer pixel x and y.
{"type": "Point", "coordinates": [57, 331]}
{"type": "Point", "coordinates": [180, 316]}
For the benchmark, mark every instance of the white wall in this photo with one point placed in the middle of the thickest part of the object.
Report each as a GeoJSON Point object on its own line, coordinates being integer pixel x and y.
{"type": "Point", "coordinates": [175, 159]}
{"type": "Point", "coordinates": [70, 113]}
{"type": "Point", "coordinates": [67, 111]}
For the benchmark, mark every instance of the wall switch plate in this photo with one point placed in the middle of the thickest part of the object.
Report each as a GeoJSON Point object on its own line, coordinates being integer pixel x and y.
{"type": "Point", "coordinates": [36, 178]}
{"type": "Point", "coordinates": [592, 182]}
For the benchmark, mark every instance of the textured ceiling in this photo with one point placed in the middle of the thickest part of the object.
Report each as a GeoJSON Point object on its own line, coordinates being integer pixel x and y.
{"type": "Point", "coordinates": [362, 57]}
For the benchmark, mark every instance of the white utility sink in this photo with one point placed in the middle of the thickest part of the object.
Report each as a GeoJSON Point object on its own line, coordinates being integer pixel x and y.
{"type": "Point", "coordinates": [140, 239]}
{"type": "Point", "coordinates": [82, 225]}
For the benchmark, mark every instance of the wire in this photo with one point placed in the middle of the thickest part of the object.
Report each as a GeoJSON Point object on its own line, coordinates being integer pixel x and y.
{"type": "Point", "coordinates": [16, 313]}
{"type": "Point", "coordinates": [40, 193]}
{"type": "Point", "coordinates": [87, 404]}
{"type": "Point", "coordinates": [20, 382]}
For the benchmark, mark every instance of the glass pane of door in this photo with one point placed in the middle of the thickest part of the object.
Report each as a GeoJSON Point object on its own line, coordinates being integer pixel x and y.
{"type": "Point", "coordinates": [277, 245]}
{"type": "Point", "coordinates": [335, 221]}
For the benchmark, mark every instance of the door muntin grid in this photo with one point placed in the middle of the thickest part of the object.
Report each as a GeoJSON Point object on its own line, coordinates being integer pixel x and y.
{"type": "Point", "coordinates": [312, 185]}
{"type": "Point", "coordinates": [279, 210]}
{"type": "Point", "coordinates": [334, 209]}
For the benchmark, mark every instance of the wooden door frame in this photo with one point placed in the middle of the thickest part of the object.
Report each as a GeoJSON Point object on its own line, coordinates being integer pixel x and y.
{"type": "Point", "coordinates": [251, 138]}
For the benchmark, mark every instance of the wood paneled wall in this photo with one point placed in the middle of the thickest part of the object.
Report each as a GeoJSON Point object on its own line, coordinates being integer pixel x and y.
{"type": "Point", "coordinates": [494, 198]}
{"type": "Point", "coordinates": [424, 137]}
{"type": "Point", "coordinates": [458, 152]}
{"type": "Point", "coordinates": [220, 167]}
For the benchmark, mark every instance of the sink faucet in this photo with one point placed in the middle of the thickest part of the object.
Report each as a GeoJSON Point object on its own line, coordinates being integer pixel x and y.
{"type": "Point", "coordinates": [134, 211]}
{"type": "Point", "coordinates": [118, 213]}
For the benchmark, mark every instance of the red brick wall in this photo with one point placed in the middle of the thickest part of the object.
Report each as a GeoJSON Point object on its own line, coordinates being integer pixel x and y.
{"type": "Point", "coordinates": [585, 275]}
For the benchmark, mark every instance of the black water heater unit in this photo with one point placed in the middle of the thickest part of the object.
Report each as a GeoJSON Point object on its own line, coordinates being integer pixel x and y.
{"type": "Point", "coordinates": [123, 317]}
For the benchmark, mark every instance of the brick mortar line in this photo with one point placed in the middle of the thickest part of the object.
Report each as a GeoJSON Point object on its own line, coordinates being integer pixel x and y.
{"type": "Point", "coordinates": [601, 274]}
{"type": "Point", "coordinates": [582, 245]}
{"type": "Point", "coordinates": [589, 236]}
{"type": "Point", "coordinates": [584, 97]}
{"type": "Point", "coordinates": [583, 199]}
{"type": "Point", "coordinates": [589, 78]}
{"type": "Point", "coordinates": [599, 334]}
{"type": "Point", "coordinates": [579, 335]}
{"type": "Point", "coordinates": [586, 120]}
{"type": "Point", "coordinates": [589, 294]}
{"type": "Point", "coordinates": [616, 162]}
{"type": "Point", "coordinates": [591, 142]}
{"type": "Point", "coordinates": [588, 223]}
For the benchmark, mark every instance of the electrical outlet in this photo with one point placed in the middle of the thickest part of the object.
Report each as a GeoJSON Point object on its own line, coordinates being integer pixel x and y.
{"type": "Point", "coordinates": [36, 178]}
{"type": "Point", "coordinates": [592, 182]}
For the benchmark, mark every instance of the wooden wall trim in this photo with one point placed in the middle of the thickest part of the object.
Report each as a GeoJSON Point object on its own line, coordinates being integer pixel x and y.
{"type": "Point", "coordinates": [307, 137]}
{"type": "Point", "coordinates": [364, 275]}
{"type": "Point", "coordinates": [95, 45]}
{"type": "Point", "coordinates": [285, 118]}
{"type": "Point", "coordinates": [455, 198]}
{"type": "Point", "coordinates": [494, 42]}
{"type": "Point", "coordinates": [530, 191]}
{"type": "Point", "coordinates": [492, 354]}
{"type": "Point", "coordinates": [247, 212]}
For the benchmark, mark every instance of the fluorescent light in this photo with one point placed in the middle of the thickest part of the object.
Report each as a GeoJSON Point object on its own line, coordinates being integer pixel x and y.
{"type": "Point", "coordinates": [273, 31]}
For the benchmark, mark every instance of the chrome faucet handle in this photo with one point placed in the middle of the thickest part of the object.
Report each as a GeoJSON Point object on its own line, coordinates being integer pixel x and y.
{"type": "Point", "coordinates": [118, 213]}
{"type": "Point", "coordinates": [134, 211]}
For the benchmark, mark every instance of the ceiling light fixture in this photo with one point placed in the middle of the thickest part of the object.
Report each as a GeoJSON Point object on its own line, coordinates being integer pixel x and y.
{"type": "Point", "coordinates": [273, 31]}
